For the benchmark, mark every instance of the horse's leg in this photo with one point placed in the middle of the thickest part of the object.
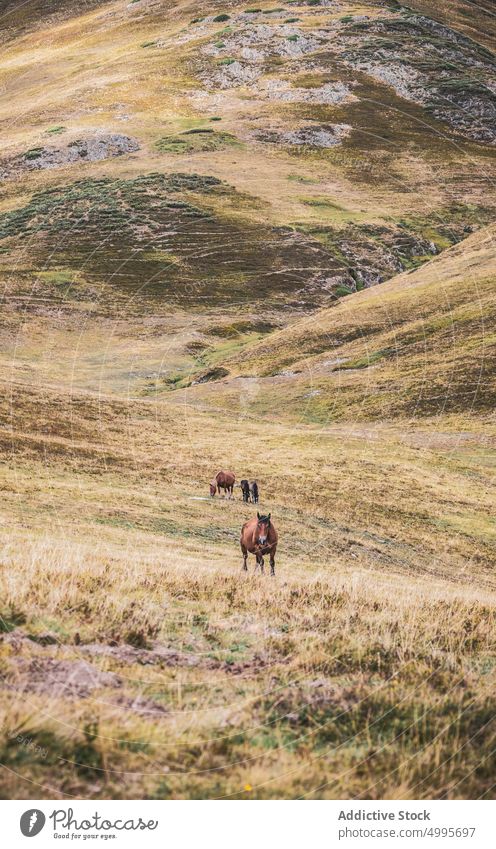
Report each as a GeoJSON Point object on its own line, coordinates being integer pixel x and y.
{"type": "Point", "coordinates": [245, 557]}
{"type": "Point", "coordinates": [261, 564]}
{"type": "Point", "coordinates": [272, 564]}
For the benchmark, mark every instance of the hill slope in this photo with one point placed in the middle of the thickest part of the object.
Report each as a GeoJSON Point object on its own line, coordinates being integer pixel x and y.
{"type": "Point", "coordinates": [350, 142]}
{"type": "Point", "coordinates": [420, 345]}
{"type": "Point", "coordinates": [206, 220]}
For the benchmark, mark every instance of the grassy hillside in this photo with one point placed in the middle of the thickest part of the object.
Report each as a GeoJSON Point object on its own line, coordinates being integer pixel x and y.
{"type": "Point", "coordinates": [352, 144]}
{"type": "Point", "coordinates": [263, 241]}
{"type": "Point", "coordinates": [476, 21]}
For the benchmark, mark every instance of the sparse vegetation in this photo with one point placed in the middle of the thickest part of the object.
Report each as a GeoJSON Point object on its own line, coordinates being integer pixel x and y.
{"type": "Point", "coordinates": [197, 140]}
{"type": "Point", "coordinates": [34, 153]}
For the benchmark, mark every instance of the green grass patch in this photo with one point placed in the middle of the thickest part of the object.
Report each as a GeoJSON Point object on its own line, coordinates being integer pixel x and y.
{"type": "Point", "coordinates": [341, 291]}
{"type": "Point", "coordinates": [10, 620]}
{"type": "Point", "coordinates": [34, 153]}
{"type": "Point", "coordinates": [322, 203]}
{"type": "Point", "coordinates": [365, 361]}
{"type": "Point", "coordinates": [62, 277]}
{"type": "Point", "coordinates": [199, 140]}
{"type": "Point", "coordinates": [299, 178]}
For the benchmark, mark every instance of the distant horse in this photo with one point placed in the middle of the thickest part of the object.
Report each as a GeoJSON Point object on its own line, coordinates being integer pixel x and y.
{"type": "Point", "coordinates": [259, 537]}
{"type": "Point", "coordinates": [245, 489]}
{"type": "Point", "coordinates": [254, 491]}
{"type": "Point", "coordinates": [225, 481]}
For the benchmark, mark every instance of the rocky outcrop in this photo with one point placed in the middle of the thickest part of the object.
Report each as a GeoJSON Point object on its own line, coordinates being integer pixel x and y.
{"type": "Point", "coordinates": [425, 63]}
{"type": "Point", "coordinates": [311, 136]}
{"type": "Point", "coordinates": [88, 149]}
{"type": "Point", "coordinates": [429, 64]}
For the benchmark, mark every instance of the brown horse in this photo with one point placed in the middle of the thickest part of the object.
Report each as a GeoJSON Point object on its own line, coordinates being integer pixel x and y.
{"type": "Point", "coordinates": [259, 537]}
{"type": "Point", "coordinates": [223, 480]}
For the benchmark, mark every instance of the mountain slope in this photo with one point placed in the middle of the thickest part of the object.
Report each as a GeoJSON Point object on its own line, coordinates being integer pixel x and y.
{"type": "Point", "coordinates": [350, 143]}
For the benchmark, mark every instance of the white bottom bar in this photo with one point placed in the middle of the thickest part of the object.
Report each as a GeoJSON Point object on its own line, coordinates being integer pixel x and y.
{"type": "Point", "coordinates": [249, 825]}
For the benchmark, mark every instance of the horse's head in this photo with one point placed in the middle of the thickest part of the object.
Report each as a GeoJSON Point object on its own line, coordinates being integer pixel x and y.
{"type": "Point", "coordinates": [263, 525]}
{"type": "Point", "coordinates": [213, 488]}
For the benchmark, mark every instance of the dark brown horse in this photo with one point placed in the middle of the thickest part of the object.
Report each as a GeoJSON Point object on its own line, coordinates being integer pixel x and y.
{"type": "Point", "coordinates": [259, 537]}
{"type": "Point", "coordinates": [253, 485]}
{"type": "Point", "coordinates": [245, 489]}
{"type": "Point", "coordinates": [223, 480]}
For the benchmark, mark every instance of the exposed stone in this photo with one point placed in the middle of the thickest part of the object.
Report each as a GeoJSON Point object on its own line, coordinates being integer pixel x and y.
{"type": "Point", "coordinates": [323, 137]}
{"type": "Point", "coordinates": [90, 149]}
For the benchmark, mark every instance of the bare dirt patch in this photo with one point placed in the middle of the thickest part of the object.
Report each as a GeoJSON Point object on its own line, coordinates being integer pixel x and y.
{"type": "Point", "coordinates": [71, 679]}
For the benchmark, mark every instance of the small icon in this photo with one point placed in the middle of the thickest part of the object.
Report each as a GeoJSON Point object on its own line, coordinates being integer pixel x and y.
{"type": "Point", "coordinates": [32, 822]}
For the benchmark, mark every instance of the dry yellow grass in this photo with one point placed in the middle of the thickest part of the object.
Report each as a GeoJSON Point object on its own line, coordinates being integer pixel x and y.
{"type": "Point", "coordinates": [365, 668]}
{"type": "Point", "coordinates": [315, 684]}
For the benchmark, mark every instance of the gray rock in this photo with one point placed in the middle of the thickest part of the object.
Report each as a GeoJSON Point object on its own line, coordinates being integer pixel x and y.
{"type": "Point", "coordinates": [89, 149]}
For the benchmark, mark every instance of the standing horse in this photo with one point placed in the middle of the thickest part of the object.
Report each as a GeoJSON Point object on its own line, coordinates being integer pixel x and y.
{"type": "Point", "coordinates": [225, 481]}
{"type": "Point", "coordinates": [259, 537]}
{"type": "Point", "coordinates": [254, 491]}
{"type": "Point", "coordinates": [245, 489]}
